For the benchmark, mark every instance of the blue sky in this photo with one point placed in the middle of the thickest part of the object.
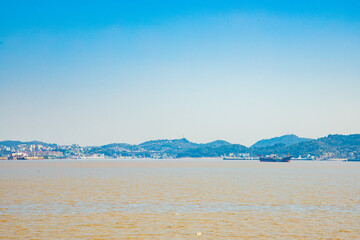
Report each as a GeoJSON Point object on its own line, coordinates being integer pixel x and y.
{"type": "Point", "coordinates": [113, 71]}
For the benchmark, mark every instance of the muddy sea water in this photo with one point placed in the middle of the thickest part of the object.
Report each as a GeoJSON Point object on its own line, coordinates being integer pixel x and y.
{"type": "Point", "coordinates": [179, 199]}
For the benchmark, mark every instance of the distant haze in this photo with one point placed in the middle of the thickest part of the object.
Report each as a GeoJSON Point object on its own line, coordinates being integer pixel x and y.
{"type": "Point", "coordinates": [240, 71]}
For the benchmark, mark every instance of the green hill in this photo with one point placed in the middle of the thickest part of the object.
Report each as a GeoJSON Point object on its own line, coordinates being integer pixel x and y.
{"type": "Point", "coordinates": [288, 140]}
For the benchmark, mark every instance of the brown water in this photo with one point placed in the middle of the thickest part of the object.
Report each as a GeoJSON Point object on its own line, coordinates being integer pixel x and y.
{"type": "Point", "coordinates": [179, 199]}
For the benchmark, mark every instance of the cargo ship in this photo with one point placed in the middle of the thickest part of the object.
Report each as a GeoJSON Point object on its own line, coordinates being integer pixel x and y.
{"type": "Point", "coordinates": [233, 158]}
{"type": "Point", "coordinates": [353, 160]}
{"type": "Point", "coordinates": [239, 158]}
{"type": "Point", "coordinates": [275, 158]}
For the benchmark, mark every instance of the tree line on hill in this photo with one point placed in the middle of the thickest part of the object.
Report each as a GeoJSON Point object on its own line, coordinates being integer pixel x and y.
{"type": "Point", "coordinates": [347, 146]}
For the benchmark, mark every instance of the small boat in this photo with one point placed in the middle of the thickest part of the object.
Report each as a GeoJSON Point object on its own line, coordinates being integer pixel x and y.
{"type": "Point", "coordinates": [275, 158]}
{"type": "Point", "coordinates": [335, 159]}
{"type": "Point", "coordinates": [303, 159]}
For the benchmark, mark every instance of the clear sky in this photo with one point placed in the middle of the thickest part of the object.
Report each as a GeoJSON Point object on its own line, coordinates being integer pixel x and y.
{"type": "Point", "coordinates": [97, 72]}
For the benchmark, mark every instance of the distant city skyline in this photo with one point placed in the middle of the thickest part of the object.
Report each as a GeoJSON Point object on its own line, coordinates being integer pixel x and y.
{"type": "Point", "coordinates": [109, 72]}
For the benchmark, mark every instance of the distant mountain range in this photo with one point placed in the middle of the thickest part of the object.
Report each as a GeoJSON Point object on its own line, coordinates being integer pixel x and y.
{"type": "Point", "coordinates": [347, 146]}
{"type": "Point", "coordinates": [164, 148]}
{"type": "Point", "coordinates": [286, 139]}
{"type": "Point", "coordinates": [10, 143]}
{"type": "Point", "coordinates": [332, 145]}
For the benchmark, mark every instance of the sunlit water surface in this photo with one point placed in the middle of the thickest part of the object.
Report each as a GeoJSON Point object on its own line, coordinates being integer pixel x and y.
{"type": "Point", "coordinates": [179, 199]}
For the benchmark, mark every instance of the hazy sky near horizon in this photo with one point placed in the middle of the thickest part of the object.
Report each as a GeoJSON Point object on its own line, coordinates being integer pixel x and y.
{"type": "Point", "coordinates": [97, 72]}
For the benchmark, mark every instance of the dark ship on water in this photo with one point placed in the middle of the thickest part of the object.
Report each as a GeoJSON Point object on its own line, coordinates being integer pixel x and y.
{"type": "Point", "coordinates": [275, 158]}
